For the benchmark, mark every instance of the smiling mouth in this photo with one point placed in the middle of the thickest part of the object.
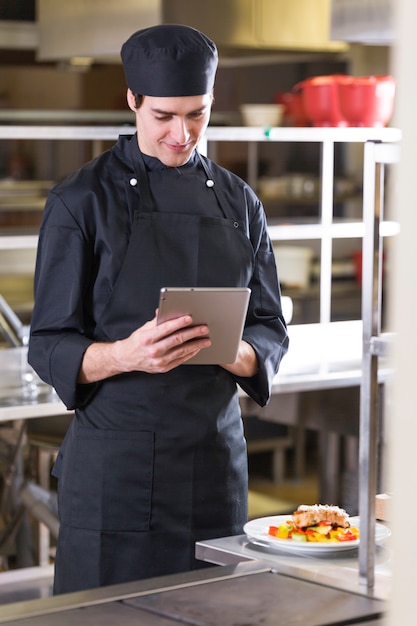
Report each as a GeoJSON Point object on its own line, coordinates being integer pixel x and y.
{"type": "Point", "coordinates": [179, 147]}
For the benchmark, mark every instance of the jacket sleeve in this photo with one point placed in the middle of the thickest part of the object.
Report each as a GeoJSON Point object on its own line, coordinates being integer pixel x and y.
{"type": "Point", "coordinates": [265, 328]}
{"type": "Point", "coordinates": [58, 339]}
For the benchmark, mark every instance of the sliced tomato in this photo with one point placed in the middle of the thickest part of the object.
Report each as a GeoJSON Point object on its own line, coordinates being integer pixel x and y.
{"type": "Point", "coordinates": [273, 530]}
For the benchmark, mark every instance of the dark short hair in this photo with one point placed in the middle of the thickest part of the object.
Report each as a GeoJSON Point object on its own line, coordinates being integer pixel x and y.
{"type": "Point", "coordinates": [138, 100]}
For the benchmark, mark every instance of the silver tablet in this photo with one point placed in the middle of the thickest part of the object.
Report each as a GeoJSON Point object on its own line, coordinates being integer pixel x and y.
{"type": "Point", "coordinates": [224, 311]}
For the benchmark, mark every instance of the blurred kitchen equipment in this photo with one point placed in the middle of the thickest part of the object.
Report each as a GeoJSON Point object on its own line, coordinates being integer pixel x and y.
{"type": "Point", "coordinates": [294, 186]}
{"type": "Point", "coordinates": [367, 100]}
{"type": "Point", "coordinates": [293, 265]}
{"type": "Point", "coordinates": [320, 99]}
{"type": "Point", "coordinates": [16, 333]}
{"type": "Point", "coordinates": [342, 100]}
{"type": "Point", "coordinates": [383, 504]}
{"type": "Point", "coordinates": [287, 308]}
{"type": "Point", "coordinates": [262, 114]}
{"type": "Point", "coordinates": [357, 260]}
{"type": "Point", "coordinates": [294, 113]}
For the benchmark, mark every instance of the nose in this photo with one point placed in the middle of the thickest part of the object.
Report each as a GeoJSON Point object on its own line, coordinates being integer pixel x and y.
{"type": "Point", "coordinates": [179, 130]}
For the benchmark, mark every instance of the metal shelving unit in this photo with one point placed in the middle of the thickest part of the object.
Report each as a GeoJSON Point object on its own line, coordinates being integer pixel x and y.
{"type": "Point", "coordinates": [380, 148]}
{"type": "Point", "coordinates": [326, 229]}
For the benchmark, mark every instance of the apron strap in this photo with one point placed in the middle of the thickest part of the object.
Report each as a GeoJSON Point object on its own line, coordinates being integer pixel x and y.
{"type": "Point", "coordinates": [146, 196]}
{"type": "Point", "coordinates": [218, 192]}
{"type": "Point", "coordinates": [141, 175]}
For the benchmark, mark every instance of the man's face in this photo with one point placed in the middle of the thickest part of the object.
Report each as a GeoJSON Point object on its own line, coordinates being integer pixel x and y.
{"type": "Point", "coordinates": [170, 128]}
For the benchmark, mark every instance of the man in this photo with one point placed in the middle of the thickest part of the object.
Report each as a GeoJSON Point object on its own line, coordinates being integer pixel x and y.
{"type": "Point", "coordinates": [155, 458]}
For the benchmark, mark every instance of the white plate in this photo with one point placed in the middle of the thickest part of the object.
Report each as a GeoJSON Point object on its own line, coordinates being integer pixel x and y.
{"type": "Point", "coordinates": [257, 533]}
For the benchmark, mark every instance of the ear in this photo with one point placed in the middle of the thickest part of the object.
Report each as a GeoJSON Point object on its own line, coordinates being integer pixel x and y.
{"type": "Point", "coordinates": [131, 100]}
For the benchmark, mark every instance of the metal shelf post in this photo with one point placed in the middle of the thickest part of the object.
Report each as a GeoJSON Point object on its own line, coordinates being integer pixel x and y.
{"type": "Point", "coordinates": [376, 156]}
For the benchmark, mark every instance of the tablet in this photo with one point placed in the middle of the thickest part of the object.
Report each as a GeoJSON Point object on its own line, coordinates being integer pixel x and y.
{"type": "Point", "coordinates": [224, 311]}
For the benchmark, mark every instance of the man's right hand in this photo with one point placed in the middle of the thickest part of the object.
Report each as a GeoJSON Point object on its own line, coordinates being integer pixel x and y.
{"type": "Point", "coordinates": [152, 348]}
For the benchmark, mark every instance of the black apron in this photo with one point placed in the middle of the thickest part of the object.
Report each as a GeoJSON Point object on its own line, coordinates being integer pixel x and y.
{"type": "Point", "coordinates": [156, 462]}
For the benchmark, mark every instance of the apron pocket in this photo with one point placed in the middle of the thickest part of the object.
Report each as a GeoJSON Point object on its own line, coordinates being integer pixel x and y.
{"type": "Point", "coordinates": [106, 483]}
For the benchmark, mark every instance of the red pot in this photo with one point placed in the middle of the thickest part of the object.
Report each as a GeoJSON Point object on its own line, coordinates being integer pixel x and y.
{"type": "Point", "coordinates": [367, 100]}
{"type": "Point", "coordinates": [294, 110]}
{"type": "Point", "coordinates": [320, 98]}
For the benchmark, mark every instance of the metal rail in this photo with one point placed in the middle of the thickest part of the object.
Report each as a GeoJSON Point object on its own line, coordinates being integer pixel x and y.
{"type": "Point", "coordinates": [376, 157]}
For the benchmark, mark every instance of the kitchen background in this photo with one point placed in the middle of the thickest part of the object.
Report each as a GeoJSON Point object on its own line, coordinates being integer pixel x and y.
{"type": "Point", "coordinates": [64, 58]}
{"type": "Point", "coordinates": [61, 66]}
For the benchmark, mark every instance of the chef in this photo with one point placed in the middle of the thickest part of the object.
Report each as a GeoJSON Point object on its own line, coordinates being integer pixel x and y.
{"type": "Point", "coordinates": [155, 457]}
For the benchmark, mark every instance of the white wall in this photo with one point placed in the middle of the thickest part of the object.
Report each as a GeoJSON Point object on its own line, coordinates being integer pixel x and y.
{"type": "Point", "coordinates": [402, 413]}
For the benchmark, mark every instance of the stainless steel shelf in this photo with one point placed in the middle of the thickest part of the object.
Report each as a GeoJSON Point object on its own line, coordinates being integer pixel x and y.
{"type": "Point", "coordinates": [18, 242]}
{"type": "Point", "coordinates": [340, 230]}
{"type": "Point", "coordinates": [303, 134]}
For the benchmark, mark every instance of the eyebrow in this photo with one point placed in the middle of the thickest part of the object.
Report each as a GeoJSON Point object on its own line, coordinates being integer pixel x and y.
{"type": "Point", "coordinates": [163, 112]}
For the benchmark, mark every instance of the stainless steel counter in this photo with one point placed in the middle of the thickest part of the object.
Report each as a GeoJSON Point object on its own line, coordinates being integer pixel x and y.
{"type": "Point", "coordinates": [22, 394]}
{"type": "Point", "coordinates": [46, 404]}
{"type": "Point", "coordinates": [341, 569]}
{"type": "Point", "coordinates": [254, 593]}
{"type": "Point", "coordinates": [323, 356]}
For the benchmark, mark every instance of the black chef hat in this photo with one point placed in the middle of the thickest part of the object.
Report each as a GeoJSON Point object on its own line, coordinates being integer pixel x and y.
{"type": "Point", "coordinates": [169, 60]}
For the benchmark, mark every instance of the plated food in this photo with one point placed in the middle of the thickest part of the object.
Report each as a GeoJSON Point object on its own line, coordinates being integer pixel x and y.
{"type": "Point", "coordinates": [319, 523]}
{"type": "Point", "coordinates": [313, 530]}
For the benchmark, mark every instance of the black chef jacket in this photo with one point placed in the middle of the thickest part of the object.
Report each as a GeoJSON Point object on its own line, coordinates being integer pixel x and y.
{"type": "Point", "coordinates": [151, 463]}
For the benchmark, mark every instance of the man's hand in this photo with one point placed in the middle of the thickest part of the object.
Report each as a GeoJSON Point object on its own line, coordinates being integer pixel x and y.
{"type": "Point", "coordinates": [152, 348]}
{"type": "Point", "coordinates": [246, 363]}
